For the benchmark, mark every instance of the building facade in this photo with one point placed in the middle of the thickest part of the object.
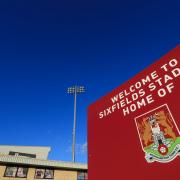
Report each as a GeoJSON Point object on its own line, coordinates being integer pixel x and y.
{"type": "Point", "coordinates": [18, 165]}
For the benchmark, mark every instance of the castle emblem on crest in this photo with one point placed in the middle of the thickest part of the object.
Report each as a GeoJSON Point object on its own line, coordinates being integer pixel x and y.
{"type": "Point", "coordinates": [159, 135]}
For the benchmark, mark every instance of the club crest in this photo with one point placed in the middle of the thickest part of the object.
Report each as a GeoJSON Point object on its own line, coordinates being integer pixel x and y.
{"type": "Point", "coordinates": [159, 135]}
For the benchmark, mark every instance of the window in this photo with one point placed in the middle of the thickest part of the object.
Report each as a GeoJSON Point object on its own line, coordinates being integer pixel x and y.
{"type": "Point", "coordinates": [49, 174]}
{"type": "Point", "coordinates": [44, 174]}
{"type": "Point", "coordinates": [39, 173]}
{"type": "Point", "coordinates": [82, 176]}
{"type": "Point", "coordinates": [22, 172]}
{"type": "Point", "coordinates": [12, 171]}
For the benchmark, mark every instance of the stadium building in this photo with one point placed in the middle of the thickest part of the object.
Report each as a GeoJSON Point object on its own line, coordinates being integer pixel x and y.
{"type": "Point", "coordinates": [31, 163]}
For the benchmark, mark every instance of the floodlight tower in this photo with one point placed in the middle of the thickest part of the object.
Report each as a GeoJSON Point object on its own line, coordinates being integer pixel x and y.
{"type": "Point", "coordinates": [75, 90]}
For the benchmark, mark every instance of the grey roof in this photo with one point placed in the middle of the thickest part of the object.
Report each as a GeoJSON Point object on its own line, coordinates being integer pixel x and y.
{"type": "Point", "coordinates": [41, 162]}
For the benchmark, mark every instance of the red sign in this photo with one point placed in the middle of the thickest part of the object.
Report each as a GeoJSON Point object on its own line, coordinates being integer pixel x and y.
{"type": "Point", "coordinates": [133, 132]}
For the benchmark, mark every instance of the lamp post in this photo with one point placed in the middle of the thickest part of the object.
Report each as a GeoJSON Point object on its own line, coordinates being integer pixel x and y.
{"type": "Point", "coordinates": [75, 90]}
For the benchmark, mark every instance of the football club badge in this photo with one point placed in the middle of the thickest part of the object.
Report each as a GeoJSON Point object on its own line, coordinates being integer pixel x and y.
{"type": "Point", "coordinates": [159, 135]}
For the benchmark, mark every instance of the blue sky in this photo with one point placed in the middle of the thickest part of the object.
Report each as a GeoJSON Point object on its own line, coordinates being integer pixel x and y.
{"type": "Point", "coordinates": [49, 45]}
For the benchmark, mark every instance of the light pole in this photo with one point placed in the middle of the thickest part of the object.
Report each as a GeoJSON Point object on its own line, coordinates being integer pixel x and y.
{"type": "Point", "coordinates": [75, 90]}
